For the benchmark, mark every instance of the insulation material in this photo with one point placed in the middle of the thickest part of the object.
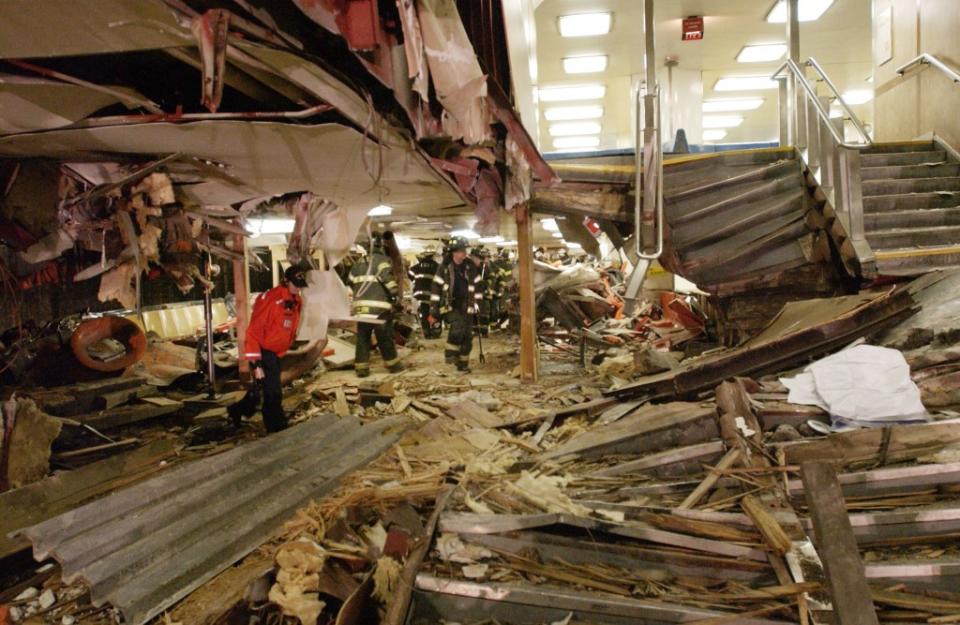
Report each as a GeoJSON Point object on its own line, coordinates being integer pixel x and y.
{"type": "Point", "coordinates": [546, 492]}
{"type": "Point", "coordinates": [158, 188]}
{"type": "Point", "coordinates": [386, 579]}
{"type": "Point", "coordinates": [417, 68]}
{"type": "Point", "coordinates": [117, 284]}
{"type": "Point", "coordinates": [298, 580]}
{"type": "Point", "coordinates": [324, 299]}
{"type": "Point", "coordinates": [460, 83]}
{"type": "Point", "coordinates": [450, 548]}
{"type": "Point", "coordinates": [519, 176]}
{"type": "Point", "coordinates": [29, 445]}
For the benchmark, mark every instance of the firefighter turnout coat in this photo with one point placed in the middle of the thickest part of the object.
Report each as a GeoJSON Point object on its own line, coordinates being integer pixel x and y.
{"type": "Point", "coordinates": [374, 286]}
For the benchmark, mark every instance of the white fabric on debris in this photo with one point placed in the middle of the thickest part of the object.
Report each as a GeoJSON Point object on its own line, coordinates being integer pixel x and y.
{"type": "Point", "coordinates": [861, 386]}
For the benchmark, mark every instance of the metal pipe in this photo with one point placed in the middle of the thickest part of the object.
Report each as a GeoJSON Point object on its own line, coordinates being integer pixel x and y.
{"type": "Point", "coordinates": [812, 62]}
{"type": "Point", "coordinates": [812, 94]}
{"type": "Point", "coordinates": [122, 120]}
{"type": "Point", "coordinates": [120, 95]}
{"type": "Point", "coordinates": [208, 324]}
{"type": "Point", "coordinates": [929, 59]}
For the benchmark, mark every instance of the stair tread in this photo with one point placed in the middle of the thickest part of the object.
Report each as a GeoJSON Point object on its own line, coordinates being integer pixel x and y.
{"type": "Point", "coordinates": [908, 229]}
{"type": "Point", "coordinates": [745, 176]}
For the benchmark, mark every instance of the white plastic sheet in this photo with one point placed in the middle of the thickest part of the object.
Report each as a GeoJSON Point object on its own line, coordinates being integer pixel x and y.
{"type": "Point", "coordinates": [325, 298]}
{"type": "Point", "coordinates": [860, 386]}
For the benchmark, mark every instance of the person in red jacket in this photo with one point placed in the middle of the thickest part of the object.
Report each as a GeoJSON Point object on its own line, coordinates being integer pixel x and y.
{"type": "Point", "coordinates": [272, 330]}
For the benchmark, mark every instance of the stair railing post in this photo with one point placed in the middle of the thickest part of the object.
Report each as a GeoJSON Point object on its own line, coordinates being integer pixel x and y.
{"type": "Point", "coordinates": [828, 151]}
{"type": "Point", "coordinates": [814, 155]}
{"type": "Point", "coordinates": [853, 192]}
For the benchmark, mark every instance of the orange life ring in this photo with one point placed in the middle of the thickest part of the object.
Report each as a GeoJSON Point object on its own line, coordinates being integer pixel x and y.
{"type": "Point", "coordinates": [92, 331]}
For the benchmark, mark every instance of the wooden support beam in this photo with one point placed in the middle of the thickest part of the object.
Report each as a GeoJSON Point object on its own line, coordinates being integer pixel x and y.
{"type": "Point", "coordinates": [599, 201]}
{"type": "Point", "coordinates": [837, 546]}
{"type": "Point", "coordinates": [528, 309]}
{"type": "Point", "coordinates": [241, 292]}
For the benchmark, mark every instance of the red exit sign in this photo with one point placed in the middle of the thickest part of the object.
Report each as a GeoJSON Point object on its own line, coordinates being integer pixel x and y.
{"type": "Point", "coordinates": [693, 28]}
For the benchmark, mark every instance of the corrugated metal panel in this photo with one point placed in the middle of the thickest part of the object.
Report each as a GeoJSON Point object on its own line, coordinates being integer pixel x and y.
{"type": "Point", "coordinates": [145, 547]}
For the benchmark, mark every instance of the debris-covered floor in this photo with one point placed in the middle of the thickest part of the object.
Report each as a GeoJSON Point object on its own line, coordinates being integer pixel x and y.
{"type": "Point", "coordinates": [738, 486]}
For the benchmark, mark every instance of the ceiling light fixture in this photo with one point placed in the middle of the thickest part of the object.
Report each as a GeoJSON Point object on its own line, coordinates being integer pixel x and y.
{"type": "Point", "coordinates": [585, 64]}
{"type": "Point", "coordinates": [721, 121]}
{"type": "Point", "coordinates": [466, 234]}
{"type": "Point", "coordinates": [569, 143]}
{"type": "Point", "coordinates": [573, 92]}
{"type": "Point", "coordinates": [506, 243]}
{"type": "Point", "coordinates": [270, 225]}
{"type": "Point", "coordinates": [568, 129]}
{"type": "Point", "coordinates": [810, 10]}
{"type": "Point", "coordinates": [549, 224]}
{"type": "Point", "coordinates": [714, 135]}
{"type": "Point", "coordinates": [729, 106]}
{"type": "Point", "coordinates": [745, 83]}
{"type": "Point", "coordinates": [556, 235]}
{"type": "Point", "coordinates": [762, 53]}
{"type": "Point", "coordinates": [854, 97]}
{"type": "Point", "coordinates": [568, 113]}
{"type": "Point", "coordinates": [496, 239]}
{"type": "Point", "coordinates": [380, 211]}
{"type": "Point", "coordinates": [584, 24]}
{"type": "Point", "coordinates": [572, 245]}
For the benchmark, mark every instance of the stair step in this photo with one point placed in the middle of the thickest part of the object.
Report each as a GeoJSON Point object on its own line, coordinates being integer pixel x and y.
{"type": "Point", "coordinates": [687, 210]}
{"type": "Point", "coordinates": [902, 158]}
{"type": "Point", "coordinates": [908, 201]}
{"type": "Point", "coordinates": [771, 171]}
{"type": "Point", "coordinates": [735, 217]}
{"type": "Point", "coordinates": [910, 185]}
{"type": "Point", "coordinates": [912, 261]}
{"type": "Point", "coordinates": [900, 172]}
{"type": "Point", "coordinates": [900, 146]}
{"type": "Point", "coordinates": [914, 237]}
{"type": "Point", "coordinates": [914, 218]}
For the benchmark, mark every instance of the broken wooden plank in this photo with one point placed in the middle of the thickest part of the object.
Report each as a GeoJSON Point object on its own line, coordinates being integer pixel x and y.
{"type": "Point", "coordinates": [892, 480]}
{"type": "Point", "coordinates": [124, 396]}
{"type": "Point", "coordinates": [710, 481]}
{"type": "Point", "coordinates": [768, 525]}
{"type": "Point", "coordinates": [75, 399]}
{"type": "Point", "coordinates": [126, 415]}
{"type": "Point", "coordinates": [837, 546]}
{"type": "Point", "coordinates": [471, 412]}
{"type": "Point", "coordinates": [212, 602]}
{"type": "Point", "coordinates": [669, 463]}
{"type": "Point", "coordinates": [653, 427]}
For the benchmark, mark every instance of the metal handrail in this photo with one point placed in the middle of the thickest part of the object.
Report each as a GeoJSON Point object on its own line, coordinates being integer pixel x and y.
{"type": "Point", "coordinates": [929, 59]}
{"type": "Point", "coordinates": [812, 95]}
{"type": "Point", "coordinates": [655, 168]}
{"type": "Point", "coordinates": [812, 62]}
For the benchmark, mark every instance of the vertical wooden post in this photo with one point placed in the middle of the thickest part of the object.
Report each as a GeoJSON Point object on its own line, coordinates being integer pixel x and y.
{"type": "Point", "coordinates": [528, 312]}
{"type": "Point", "coordinates": [241, 291]}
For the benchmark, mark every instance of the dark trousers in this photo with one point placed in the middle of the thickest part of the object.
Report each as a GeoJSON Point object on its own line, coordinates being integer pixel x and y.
{"type": "Point", "coordinates": [384, 334]}
{"type": "Point", "coordinates": [494, 312]}
{"type": "Point", "coordinates": [271, 392]}
{"type": "Point", "coordinates": [460, 338]}
{"type": "Point", "coordinates": [430, 331]}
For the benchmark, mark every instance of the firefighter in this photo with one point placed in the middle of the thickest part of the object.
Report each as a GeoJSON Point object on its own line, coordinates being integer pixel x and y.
{"type": "Point", "coordinates": [421, 276]}
{"type": "Point", "coordinates": [272, 330]}
{"type": "Point", "coordinates": [455, 292]}
{"type": "Point", "coordinates": [375, 298]}
{"type": "Point", "coordinates": [502, 272]}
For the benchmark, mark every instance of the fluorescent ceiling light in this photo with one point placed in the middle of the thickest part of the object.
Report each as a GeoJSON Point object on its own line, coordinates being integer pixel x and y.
{"type": "Point", "coordinates": [726, 106]}
{"type": "Point", "coordinates": [550, 225]}
{"type": "Point", "coordinates": [568, 143]}
{"type": "Point", "coordinates": [567, 113]}
{"type": "Point", "coordinates": [573, 92]}
{"type": "Point", "coordinates": [496, 239]}
{"type": "Point", "coordinates": [506, 243]}
{"type": "Point", "coordinates": [567, 129]}
{"type": "Point", "coordinates": [763, 53]}
{"type": "Point", "coordinates": [745, 83]}
{"type": "Point", "coordinates": [857, 96]}
{"type": "Point", "coordinates": [571, 245]}
{"type": "Point", "coordinates": [270, 225]}
{"type": "Point", "coordinates": [556, 235]}
{"type": "Point", "coordinates": [714, 135]}
{"type": "Point", "coordinates": [584, 24]}
{"type": "Point", "coordinates": [810, 10]}
{"type": "Point", "coordinates": [466, 234]}
{"type": "Point", "coordinates": [721, 121]}
{"type": "Point", "coordinates": [585, 64]}
{"type": "Point", "coordinates": [380, 211]}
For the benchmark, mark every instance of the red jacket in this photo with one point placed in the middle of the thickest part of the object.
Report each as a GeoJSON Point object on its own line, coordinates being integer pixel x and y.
{"type": "Point", "coordinates": [273, 324]}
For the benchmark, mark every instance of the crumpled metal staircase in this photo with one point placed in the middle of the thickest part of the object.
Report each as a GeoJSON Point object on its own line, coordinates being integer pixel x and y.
{"type": "Point", "coordinates": [911, 206]}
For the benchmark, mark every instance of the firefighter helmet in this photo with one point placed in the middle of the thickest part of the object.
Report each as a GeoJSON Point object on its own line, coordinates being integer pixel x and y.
{"type": "Point", "coordinates": [296, 274]}
{"type": "Point", "coordinates": [456, 244]}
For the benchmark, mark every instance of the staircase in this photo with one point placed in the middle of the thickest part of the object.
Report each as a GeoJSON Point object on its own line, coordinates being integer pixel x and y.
{"type": "Point", "coordinates": [911, 205]}
{"type": "Point", "coordinates": [747, 227]}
